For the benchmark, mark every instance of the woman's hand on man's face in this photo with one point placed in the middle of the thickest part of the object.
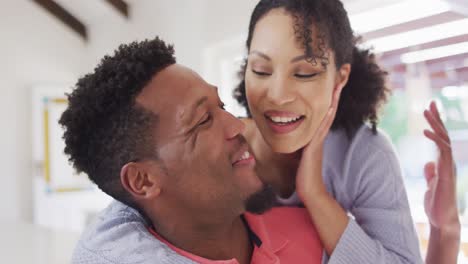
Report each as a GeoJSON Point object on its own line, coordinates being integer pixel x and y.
{"type": "Point", "coordinates": [309, 174]}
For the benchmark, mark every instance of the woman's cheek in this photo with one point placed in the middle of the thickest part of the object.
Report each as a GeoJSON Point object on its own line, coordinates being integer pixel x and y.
{"type": "Point", "coordinates": [253, 92]}
{"type": "Point", "coordinates": [249, 89]}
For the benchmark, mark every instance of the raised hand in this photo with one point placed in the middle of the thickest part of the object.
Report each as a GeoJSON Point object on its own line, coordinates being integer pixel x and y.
{"type": "Point", "coordinates": [440, 198]}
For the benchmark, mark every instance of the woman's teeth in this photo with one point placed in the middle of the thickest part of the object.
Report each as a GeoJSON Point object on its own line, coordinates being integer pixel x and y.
{"type": "Point", "coordinates": [284, 120]}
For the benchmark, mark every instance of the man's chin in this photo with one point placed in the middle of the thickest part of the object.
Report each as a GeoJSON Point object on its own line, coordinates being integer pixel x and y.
{"type": "Point", "coordinates": [261, 201]}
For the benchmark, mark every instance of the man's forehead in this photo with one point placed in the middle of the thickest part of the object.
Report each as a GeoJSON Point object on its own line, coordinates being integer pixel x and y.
{"type": "Point", "coordinates": [176, 88]}
{"type": "Point", "coordinates": [184, 84]}
{"type": "Point", "coordinates": [169, 82]}
{"type": "Point", "coordinates": [175, 78]}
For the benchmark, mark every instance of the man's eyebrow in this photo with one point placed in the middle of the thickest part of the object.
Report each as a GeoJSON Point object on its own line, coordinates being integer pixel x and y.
{"type": "Point", "coordinates": [258, 53]}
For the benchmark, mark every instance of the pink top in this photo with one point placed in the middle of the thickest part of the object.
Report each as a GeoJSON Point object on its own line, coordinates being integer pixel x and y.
{"type": "Point", "coordinates": [285, 234]}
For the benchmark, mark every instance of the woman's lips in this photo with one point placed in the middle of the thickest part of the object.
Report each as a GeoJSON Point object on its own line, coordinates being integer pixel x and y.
{"type": "Point", "coordinates": [283, 122]}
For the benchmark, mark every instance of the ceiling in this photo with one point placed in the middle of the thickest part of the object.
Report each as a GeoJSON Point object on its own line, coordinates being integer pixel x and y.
{"type": "Point", "coordinates": [433, 33]}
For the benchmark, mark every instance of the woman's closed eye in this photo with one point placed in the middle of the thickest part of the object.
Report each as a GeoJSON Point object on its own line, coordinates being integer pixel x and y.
{"type": "Point", "coordinates": [305, 76]}
{"type": "Point", "coordinates": [261, 73]}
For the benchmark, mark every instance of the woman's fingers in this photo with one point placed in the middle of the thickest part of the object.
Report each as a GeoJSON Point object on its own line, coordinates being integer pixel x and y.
{"type": "Point", "coordinates": [326, 123]}
{"type": "Point", "coordinates": [445, 162]}
{"type": "Point", "coordinates": [435, 125]}
{"type": "Point", "coordinates": [320, 134]}
{"type": "Point", "coordinates": [336, 97]}
{"type": "Point", "coordinates": [430, 171]}
{"type": "Point", "coordinates": [440, 142]}
{"type": "Point", "coordinates": [436, 113]}
{"type": "Point", "coordinates": [333, 108]}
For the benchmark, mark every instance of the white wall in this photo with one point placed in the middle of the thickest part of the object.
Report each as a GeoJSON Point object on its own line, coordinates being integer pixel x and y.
{"type": "Point", "coordinates": [36, 49]}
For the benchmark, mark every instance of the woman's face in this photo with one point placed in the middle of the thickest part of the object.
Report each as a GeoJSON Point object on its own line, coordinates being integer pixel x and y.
{"type": "Point", "coordinates": [287, 96]}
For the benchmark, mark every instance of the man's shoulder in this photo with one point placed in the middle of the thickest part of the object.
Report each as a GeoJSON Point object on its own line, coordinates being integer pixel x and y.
{"type": "Point", "coordinates": [119, 235]}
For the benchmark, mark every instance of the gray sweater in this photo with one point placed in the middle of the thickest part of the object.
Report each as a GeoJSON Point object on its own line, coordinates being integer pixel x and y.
{"type": "Point", "coordinates": [363, 175]}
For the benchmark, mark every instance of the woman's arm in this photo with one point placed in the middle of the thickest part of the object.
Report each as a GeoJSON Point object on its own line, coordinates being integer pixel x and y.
{"type": "Point", "coordinates": [440, 198]}
{"type": "Point", "coordinates": [328, 216]}
{"type": "Point", "coordinates": [444, 245]}
{"type": "Point", "coordinates": [382, 230]}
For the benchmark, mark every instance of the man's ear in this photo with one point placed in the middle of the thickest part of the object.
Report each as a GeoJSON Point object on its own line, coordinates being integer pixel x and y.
{"type": "Point", "coordinates": [342, 76]}
{"type": "Point", "coordinates": [141, 179]}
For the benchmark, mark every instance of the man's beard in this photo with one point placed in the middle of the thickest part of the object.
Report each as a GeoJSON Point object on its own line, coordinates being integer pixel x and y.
{"type": "Point", "coordinates": [261, 201]}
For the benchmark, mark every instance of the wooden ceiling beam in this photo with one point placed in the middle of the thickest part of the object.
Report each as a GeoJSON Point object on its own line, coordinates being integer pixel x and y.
{"type": "Point", "coordinates": [121, 6]}
{"type": "Point", "coordinates": [64, 16]}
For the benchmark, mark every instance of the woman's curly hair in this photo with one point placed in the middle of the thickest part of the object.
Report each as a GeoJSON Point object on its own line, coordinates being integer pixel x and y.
{"type": "Point", "coordinates": [366, 89]}
{"type": "Point", "coordinates": [104, 127]}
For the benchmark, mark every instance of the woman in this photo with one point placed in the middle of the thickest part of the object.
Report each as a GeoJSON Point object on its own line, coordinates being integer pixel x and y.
{"type": "Point", "coordinates": [302, 58]}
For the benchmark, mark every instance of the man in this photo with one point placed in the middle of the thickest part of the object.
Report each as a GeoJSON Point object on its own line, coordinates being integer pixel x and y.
{"type": "Point", "coordinates": [154, 135]}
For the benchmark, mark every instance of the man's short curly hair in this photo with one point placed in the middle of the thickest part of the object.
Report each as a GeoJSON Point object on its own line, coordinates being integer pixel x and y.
{"type": "Point", "coordinates": [104, 127]}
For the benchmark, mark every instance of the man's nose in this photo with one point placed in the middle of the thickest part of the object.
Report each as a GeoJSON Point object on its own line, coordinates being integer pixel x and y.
{"type": "Point", "coordinates": [232, 126]}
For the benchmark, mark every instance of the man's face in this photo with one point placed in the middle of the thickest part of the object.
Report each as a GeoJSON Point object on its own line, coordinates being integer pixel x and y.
{"type": "Point", "coordinates": [207, 165]}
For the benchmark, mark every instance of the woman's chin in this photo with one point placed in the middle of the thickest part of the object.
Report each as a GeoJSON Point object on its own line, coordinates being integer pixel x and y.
{"type": "Point", "coordinates": [286, 147]}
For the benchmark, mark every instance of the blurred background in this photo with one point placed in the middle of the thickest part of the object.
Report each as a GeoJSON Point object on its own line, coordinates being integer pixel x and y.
{"type": "Point", "coordinates": [46, 45]}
